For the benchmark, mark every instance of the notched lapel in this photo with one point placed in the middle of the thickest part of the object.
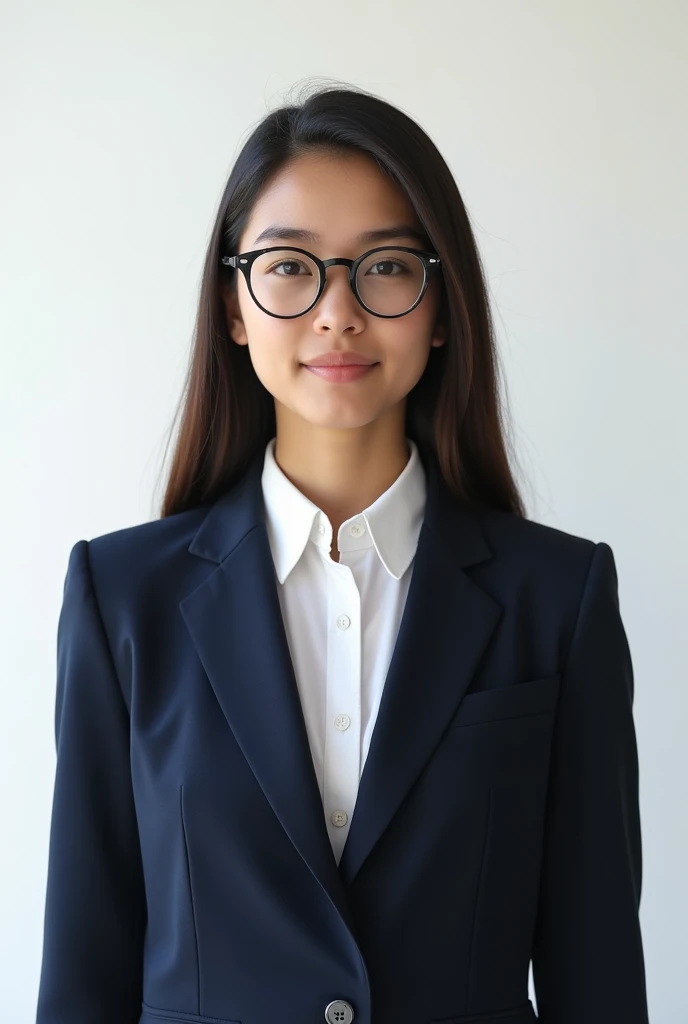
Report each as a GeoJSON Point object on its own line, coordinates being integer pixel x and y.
{"type": "Point", "coordinates": [235, 622]}
{"type": "Point", "coordinates": [446, 626]}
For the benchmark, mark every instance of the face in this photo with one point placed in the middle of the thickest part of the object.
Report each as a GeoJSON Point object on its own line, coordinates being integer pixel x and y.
{"type": "Point", "coordinates": [337, 197]}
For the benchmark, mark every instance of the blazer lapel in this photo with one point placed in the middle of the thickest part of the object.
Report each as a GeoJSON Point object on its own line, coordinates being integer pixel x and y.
{"type": "Point", "coordinates": [446, 625]}
{"type": "Point", "coordinates": [235, 622]}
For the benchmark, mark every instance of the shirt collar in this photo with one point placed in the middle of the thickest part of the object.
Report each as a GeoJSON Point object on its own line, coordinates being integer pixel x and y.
{"type": "Point", "coordinates": [392, 523]}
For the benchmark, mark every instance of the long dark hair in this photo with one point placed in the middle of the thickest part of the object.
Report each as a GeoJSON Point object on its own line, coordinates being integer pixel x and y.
{"type": "Point", "coordinates": [454, 413]}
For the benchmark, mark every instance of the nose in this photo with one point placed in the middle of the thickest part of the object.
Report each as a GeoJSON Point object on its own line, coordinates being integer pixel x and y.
{"type": "Point", "coordinates": [338, 309]}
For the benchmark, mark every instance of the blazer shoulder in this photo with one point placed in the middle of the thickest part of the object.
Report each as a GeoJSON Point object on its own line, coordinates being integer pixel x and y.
{"type": "Point", "coordinates": [552, 561]}
{"type": "Point", "coordinates": [504, 529]}
{"type": "Point", "coordinates": [134, 563]}
{"type": "Point", "coordinates": [548, 570]}
{"type": "Point", "coordinates": [141, 543]}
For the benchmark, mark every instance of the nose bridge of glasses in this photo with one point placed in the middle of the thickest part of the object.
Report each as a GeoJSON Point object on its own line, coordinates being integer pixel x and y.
{"type": "Point", "coordinates": [338, 261]}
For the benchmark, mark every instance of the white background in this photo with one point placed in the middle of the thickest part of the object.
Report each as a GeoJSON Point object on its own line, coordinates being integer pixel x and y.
{"type": "Point", "coordinates": [565, 126]}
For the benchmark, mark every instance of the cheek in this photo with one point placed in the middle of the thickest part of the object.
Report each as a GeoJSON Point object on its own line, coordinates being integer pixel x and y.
{"type": "Point", "coordinates": [409, 365]}
{"type": "Point", "coordinates": [273, 348]}
{"type": "Point", "coordinates": [407, 343]}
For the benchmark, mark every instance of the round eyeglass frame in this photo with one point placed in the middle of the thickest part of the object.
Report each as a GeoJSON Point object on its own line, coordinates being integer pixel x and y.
{"type": "Point", "coordinates": [244, 261]}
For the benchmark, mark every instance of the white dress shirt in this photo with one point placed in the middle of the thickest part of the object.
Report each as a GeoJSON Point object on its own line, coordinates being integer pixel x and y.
{"type": "Point", "coordinates": [342, 618]}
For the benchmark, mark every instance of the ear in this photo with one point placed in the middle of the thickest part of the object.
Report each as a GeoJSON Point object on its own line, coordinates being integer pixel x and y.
{"type": "Point", "coordinates": [439, 335]}
{"type": "Point", "coordinates": [440, 330]}
{"type": "Point", "coordinates": [235, 323]}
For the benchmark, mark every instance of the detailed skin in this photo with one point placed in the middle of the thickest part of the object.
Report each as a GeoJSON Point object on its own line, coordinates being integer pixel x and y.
{"type": "Point", "coordinates": [341, 443]}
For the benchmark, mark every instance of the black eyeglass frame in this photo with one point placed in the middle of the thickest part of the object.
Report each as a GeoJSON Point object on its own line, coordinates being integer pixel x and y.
{"type": "Point", "coordinates": [244, 261]}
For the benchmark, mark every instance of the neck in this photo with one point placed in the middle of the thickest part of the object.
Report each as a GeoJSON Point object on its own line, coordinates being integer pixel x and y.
{"type": "Point", "coordinates": [342, 471]}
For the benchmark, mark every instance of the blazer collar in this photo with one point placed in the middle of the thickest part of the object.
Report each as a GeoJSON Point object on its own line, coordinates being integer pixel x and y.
{"type": "Point", "coordinates": [235, 623]}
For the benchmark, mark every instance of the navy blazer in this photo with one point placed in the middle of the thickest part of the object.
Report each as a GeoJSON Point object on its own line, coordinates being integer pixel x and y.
{"type": "Point", "coordinates": [191, 877]}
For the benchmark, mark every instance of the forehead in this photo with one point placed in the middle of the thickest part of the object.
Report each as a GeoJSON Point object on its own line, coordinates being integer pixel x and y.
{"type": "Point", "coordinates": [336, 196]}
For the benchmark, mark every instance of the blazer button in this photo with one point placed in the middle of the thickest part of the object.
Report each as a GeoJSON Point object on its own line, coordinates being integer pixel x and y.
{"type": "Point", "coordinates": [339, 1012]}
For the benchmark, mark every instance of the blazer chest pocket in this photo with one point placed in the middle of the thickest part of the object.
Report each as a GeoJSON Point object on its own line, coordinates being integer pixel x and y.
{"type": "Point", "coordinates": [518, 700]}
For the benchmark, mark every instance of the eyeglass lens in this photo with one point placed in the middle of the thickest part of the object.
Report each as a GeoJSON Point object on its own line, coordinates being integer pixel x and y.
{"type": "Point", "coordinates": [286, 283]}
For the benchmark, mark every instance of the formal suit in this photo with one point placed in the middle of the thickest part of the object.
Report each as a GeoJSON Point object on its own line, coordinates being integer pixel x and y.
{"type": "Point", "coordinates": [191, 874]}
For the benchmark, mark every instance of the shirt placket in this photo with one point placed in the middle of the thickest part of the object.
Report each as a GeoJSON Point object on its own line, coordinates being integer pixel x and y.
{"type": "Point", "coordinates": [342, 748]}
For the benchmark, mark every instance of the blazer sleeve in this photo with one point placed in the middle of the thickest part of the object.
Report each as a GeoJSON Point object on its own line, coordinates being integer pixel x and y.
{"type": "Point", "coordinates": [95, 903]}
{"type": "Point", "coordinates": [588, 965]}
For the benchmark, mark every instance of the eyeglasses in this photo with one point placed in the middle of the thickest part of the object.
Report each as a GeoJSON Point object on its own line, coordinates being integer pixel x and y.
{"type": "Point", "coordinates": [286, 282]}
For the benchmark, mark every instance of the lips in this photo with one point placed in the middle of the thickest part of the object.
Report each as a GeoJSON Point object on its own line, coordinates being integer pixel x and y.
{"type": "Point", "coordinates": [343, 357]}
{"type": "Point", "coordinates": [342, 374]}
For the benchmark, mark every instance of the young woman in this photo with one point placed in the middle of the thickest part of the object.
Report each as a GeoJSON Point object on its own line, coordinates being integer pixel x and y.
{"type": "Point", "coordinates": [343, 735]}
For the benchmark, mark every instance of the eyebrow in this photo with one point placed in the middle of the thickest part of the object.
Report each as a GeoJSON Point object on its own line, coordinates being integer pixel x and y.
{"type": "Point", "coordinates": [279, 232]}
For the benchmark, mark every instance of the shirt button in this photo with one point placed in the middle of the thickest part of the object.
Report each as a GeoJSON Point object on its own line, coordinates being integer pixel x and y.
{"type": "Point", "coordinates": [343, 621]}
{"type": "Point", "coordinates": [339, 818]}
{"type": "Point", "coordinates": [342, 722]}
{"type": "Point", "coordinates": [322, 528]}
{"type": "Point", "coordinates": [339, 1012]}
{"type": "Point", "coordinates": [357, 529]}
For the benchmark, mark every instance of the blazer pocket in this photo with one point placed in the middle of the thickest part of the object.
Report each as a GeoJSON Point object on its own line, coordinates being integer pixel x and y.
{"type": "Point", "coordinates": [523, 1014]}
{"type": "Point", "coordinates": [535, 697]}
{"type": "Point", "coordinates": [156, 1015]}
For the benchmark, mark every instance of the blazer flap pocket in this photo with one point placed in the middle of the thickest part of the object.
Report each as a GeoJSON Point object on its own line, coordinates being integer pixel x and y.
{"type": "Point", "coordinates": [514, 701]}
{"type": "Point", "coordinates": [156, 1015]}
{"type": "Point", "coordinates": [522, 1015]}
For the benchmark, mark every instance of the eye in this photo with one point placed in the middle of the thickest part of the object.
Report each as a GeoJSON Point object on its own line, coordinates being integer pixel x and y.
{"type": "Point", "coordinates": [385, 263]}
{"type": "Point", "coordinates": [288, 263]}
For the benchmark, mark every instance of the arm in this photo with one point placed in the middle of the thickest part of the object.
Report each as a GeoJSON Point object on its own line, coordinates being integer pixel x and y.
{"type": "Point", "coordinates": [95, 901]}
{"type": "Point", "coordinates": [588, 965]}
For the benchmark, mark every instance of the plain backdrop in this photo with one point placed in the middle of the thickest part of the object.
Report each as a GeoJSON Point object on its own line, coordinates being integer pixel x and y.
{"type": "Point", "coordinates": [564, 124]}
